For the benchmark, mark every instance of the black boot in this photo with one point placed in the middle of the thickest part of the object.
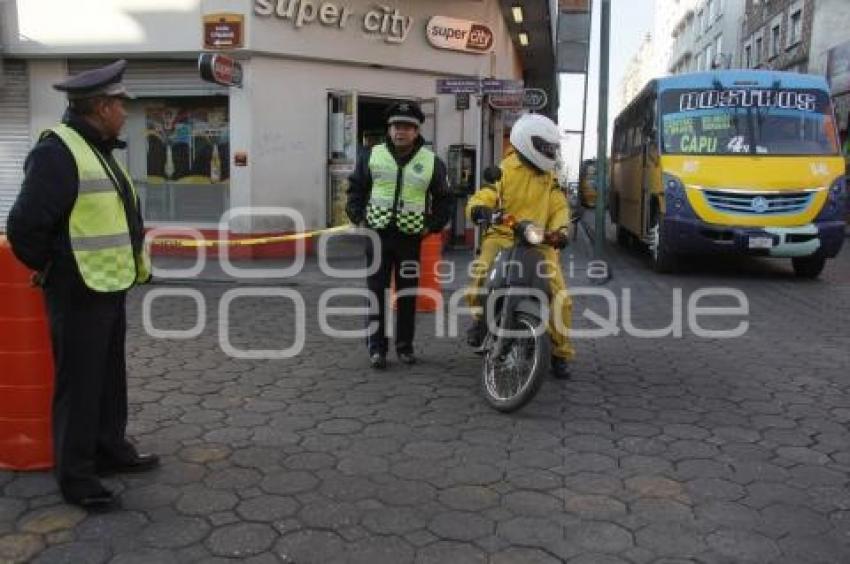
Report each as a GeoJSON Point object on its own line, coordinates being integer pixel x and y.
{"type": "Point", "coordinates": [475, 334]}
{"type": "Point", "coordinates": [378, 360]}
{"type": "Point", "coordinates": [560, 368]}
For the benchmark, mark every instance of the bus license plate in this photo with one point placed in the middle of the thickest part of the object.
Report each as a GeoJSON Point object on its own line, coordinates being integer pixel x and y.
{"type": "Point", "coordinates": [761, 242]}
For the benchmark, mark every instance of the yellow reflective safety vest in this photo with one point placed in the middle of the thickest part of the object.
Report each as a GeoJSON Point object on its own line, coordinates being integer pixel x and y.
{"type": "Point", "coordinates": [399, 193]}
{"type": "Point", "coordinates": [100, 236]}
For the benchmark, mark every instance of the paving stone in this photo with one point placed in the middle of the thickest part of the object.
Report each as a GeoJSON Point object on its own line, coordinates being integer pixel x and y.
{"type": "Point", "coordinates": [781, 519]}
{"type": "Point", "coordinates": [267, 508]}
{"type": "Point", "coordinates": [288, 483]}
{"type": "Point", "coordinates": [462, 526]}
{"type": "Point", "coordinates": [671, 539]}
{"type": "Point", "coordinates": [202, 454]}
{"type": "Point", "coordinates": [118, 528]}
{"type": "Point", "coordinates": [403, 492]}
{"type": "Point", "coordinates": [654, 486]}
{"type": "Point", "coordinates": [74, 553]}
{"type": "Point", "coordinates": [469, 498]}
{"type": "Point", "coordinates": [599, 537]}
{"type": "Point", "coordinates": [145, 556]}
{"type": "Point", "coordinates": [743, 546]}
{"type": "Point", "coordinates": [31, 485]}
{"type": "Point", "coordinates": [524, 555]}
{"type": "Point", "coordinates": [394, 521]}
{"type": "Point", "coordinates": [457, 553]}
{"type": "Point", "coordinates": [311, 547]}
{"type": "Point", "coordinates": [379, 550]}
{"type": "Point", "coordinates": [532, 503]}
{"type": "Point", "coordinates": [329, 514]}
{"type": "Point", "coordinates": [175, 532]}
{"type": "Point", "coordinates": [727, 514]}
{"type": "Point", "coordinates": [241, 540]}
{"type": "Point", "coordinates": [20, 547]}
{"type": "Point", "coordinates": [51, 519]}
{"type": "Point", "coordinates": [10, 509]}
{"type": "Point", "coordinates": [199, 500]}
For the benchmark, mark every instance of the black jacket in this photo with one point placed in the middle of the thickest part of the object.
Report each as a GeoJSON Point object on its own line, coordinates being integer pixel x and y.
{"type": "Point", "coordinates": [438, 203]}
{"type": "Point", "coordinates": [37, 227]}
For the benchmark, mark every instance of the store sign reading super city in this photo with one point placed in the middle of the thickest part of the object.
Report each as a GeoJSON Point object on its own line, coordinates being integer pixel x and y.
{"type": "Point", "coordinates": [382, 20]}
{"type": "Point", "coordinates": [459, 35]}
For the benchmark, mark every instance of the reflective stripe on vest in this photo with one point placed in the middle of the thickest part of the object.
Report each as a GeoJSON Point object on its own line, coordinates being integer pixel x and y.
{"type": "Point", "coordinates": [409, 213]}
{"type": "Point", "coordinates": [100, 237]}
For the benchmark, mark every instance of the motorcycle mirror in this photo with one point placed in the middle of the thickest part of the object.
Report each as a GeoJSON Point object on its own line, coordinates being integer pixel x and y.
{"type": "Point", "coordinates": [492, 174]}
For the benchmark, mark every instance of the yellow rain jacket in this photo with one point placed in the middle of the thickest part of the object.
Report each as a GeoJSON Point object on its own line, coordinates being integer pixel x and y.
{"type": "Point", "coordinates": [526, 194]}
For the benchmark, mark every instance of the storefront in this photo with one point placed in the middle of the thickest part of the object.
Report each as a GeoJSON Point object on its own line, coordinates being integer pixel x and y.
{"type": "Point", "coordinates": [317, 78]}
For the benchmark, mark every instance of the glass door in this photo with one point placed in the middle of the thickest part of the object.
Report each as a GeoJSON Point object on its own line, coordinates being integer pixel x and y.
{"type": "Point", "coordinates": [429, 127]}
{"type": "Point", "coordinates": [342, 152]}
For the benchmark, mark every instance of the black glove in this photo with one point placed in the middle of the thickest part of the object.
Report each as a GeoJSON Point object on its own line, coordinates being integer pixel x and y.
{"type": "Point", "coordinates": [483, 215]}
{"type": "Point", "coordinates": [560, 238]}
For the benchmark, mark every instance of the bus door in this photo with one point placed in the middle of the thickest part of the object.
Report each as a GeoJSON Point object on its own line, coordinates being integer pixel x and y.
{"type": "Point", "coordinates": [649, 162]}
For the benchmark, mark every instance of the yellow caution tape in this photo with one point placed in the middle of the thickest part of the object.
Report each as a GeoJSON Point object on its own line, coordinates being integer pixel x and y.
{"type": "Point", "coordinates": [245, 242]}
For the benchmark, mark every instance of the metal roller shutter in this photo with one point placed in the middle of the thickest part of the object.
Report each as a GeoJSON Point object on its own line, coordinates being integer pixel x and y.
{"type": "Point", "coordinates": [157, 78]}
{"type": "Point", "coordinates": [15, 139]}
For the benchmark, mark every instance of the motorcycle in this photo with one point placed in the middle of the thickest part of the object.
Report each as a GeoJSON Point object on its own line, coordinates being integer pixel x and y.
{"type": "Point", "coordinates": [516, 344]}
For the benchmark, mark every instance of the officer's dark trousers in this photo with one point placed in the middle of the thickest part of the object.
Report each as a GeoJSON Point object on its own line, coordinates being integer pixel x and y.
{"type": "Point", "coordinates": [399, 255]}
{"type": "Point", "coordinates": [90, 396]}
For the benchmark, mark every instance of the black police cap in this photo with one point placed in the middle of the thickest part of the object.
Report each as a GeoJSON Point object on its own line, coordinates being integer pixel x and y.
{"type": "Point", "coordinates": [103, 81]}
{"type": "Point", "coordinates": [405, 112]}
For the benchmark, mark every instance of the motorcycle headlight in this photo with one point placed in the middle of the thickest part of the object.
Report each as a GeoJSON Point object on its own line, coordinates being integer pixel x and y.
{"type": "Point", "coordinates": [533, 234]}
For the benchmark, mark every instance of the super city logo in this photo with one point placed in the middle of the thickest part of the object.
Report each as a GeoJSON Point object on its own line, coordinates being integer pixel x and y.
{"type": "Point", "coordinates": [382, 20]}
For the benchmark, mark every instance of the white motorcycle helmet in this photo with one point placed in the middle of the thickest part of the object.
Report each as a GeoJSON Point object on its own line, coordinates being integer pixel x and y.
{"type": "Point", "coordinates": [537, 139]}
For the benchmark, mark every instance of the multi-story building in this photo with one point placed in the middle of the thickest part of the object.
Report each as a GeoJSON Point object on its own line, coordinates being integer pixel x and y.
{"type": "Point", "coordinates": [639, 71]}
{"type": "Point", "coordinates": [706, 35]}
{"type": "Point", "coordinates": [776, 34]}
{"type": "Point", "coordinates": [829, 53]}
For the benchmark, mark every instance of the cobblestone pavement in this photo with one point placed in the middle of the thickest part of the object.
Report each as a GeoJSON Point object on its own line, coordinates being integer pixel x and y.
{"type": "Point", "coordinates": [669, 450]}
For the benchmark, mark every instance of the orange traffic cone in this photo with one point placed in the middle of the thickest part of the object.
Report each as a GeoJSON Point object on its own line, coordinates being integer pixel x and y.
{"type": "Point", "coordinates": [26, 377]}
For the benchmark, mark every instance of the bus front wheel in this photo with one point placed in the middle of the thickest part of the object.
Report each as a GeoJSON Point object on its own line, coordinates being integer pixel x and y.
{"type": "Point", "coordinates": [808, 267]}
{"type": "Point", "coordinates": [663, 259]}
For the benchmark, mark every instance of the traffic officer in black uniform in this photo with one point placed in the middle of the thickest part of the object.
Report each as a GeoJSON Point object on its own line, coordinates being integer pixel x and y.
{"type": "Point", "coordinates": [400, 190]}
{"type": "Point", "coordinates": [77, 223]}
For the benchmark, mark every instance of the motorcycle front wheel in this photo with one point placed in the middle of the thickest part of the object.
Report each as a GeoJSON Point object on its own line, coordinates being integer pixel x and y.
{"type": "Point", "coordinates": [509, 382]}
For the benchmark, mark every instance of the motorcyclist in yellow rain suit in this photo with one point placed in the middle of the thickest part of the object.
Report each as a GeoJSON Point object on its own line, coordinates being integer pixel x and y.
{"type": "Point", "coordinates": [528, 191]}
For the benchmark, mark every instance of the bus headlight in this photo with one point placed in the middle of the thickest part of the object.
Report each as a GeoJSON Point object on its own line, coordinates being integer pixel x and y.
{"type": "Point", "coordinates": [674, 195]}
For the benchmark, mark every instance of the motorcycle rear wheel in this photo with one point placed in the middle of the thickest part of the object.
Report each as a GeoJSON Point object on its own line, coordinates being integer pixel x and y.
{"type": "Point", "coordinates": [511, 382]}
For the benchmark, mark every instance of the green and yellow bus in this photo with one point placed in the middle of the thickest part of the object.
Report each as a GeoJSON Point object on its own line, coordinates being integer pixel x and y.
{"type": "Point", "coordinates": [730, 161]}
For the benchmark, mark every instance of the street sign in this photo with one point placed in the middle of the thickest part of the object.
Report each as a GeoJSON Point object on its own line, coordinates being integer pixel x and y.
{"type": "Point", "coordinates": [534, 98]}
{"type": "Point", "coordinates": [458, 85]}
{"type": "Point", "coordinates": [221, 69]}
{"type": "Point", "coordinates": [223, 31]}
{"type": "Point", "coordinates": [462, 101]}
{"type": "Point", "coordinates": [506, 100]}
{"type": "Point", "coordinates": [497, 85]}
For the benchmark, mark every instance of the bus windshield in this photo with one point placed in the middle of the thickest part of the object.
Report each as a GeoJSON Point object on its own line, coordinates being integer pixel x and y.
{"type": "Point", "coordinates": [783, 121]}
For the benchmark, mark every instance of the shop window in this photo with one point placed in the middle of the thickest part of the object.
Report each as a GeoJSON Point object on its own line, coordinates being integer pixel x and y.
{"type": "Point", "coordinates": [184, 175]}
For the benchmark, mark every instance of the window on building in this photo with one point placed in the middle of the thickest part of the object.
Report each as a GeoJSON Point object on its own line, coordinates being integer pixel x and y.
{"type": "Point", "coordinates": [795, 25]}
{"type": "Point", "coordinates": [719, 7]}
{"type": "Point", "coordinates": [758, 51]}
{"type": "Point", "coordinates": [775, 33]}
{"type": "Point", "coordinates": [711, 8]}
{"type": "Point", "coordinates": [699, 62]}
{"type": "Point", "coordinates": [748, 56]}
{"type": "Point", "coordinates": [709, 60]}
{"type": "Point", "coordinates": [700, 22]}
{"type": "Point", "coordinates": [718, 46]}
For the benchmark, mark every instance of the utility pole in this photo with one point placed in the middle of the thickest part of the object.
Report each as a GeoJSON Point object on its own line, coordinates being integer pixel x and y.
{"type": "Point", "coordinates": [602, 142]}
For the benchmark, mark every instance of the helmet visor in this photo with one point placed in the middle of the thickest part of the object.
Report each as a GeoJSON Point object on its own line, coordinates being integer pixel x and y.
{"type": "Point", "coordinates": [549, 150]}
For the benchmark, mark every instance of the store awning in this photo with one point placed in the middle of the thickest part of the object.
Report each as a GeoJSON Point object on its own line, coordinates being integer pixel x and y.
{"type": "Point", "coordinates": [538, 55]}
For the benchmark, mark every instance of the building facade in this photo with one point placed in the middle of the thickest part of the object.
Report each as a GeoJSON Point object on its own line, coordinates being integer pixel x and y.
{"type": "Point", "coordinates": [776, 34]}
{"type": "Point", "coordinates": [639, 70]}
{"type": "Point", "coordinates": [317, 76]}
{"type": "Point", "coordinates": [706, 35]}
{"type": "Point", "coordinates": [829, 53]}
